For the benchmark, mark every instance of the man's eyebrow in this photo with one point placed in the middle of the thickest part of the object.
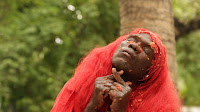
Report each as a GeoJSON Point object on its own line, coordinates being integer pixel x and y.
{"type": "Point", "coordinates": [133, 35]}
{"type": "Point", "coordinates": [139, 36]}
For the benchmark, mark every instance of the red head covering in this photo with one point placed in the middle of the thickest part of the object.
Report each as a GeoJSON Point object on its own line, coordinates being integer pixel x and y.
{"type": "Point", "coordinates": [157, 93]}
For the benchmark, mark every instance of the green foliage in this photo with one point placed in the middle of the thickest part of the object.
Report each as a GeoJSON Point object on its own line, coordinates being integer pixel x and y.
{"type": "Point", "coordinates": [188, 53]}
{"type": "Point", "coordinates": [41, 42]}
{"type": "Point", "coordinates": [186, 10]}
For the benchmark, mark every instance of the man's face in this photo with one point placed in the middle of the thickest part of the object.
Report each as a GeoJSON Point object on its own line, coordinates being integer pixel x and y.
{"type": "Point", "coordinates": [134, 55]}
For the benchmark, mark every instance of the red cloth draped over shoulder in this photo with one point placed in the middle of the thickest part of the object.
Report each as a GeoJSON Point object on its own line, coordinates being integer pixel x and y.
{"type": "Point", "coordinates": [157, 94]}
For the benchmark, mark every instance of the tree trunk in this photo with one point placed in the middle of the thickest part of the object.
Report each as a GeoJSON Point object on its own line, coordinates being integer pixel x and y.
{"type": "Point", "coordinates": [156, 16]}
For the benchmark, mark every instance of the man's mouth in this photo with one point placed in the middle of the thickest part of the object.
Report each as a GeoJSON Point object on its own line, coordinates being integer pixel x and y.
{"type": "Point", "coordinates": [128, 53]}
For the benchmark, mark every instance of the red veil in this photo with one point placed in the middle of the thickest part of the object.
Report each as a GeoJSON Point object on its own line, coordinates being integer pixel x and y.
{"type": "Point", "coordinates": [157, 94]}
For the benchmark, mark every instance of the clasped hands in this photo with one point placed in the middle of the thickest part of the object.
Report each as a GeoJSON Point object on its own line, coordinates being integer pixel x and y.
{"type": "Point", "coordinates": [111, 87]}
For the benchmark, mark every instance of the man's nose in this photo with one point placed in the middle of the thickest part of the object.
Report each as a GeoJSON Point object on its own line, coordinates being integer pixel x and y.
{"type": "Point", "coordinates": [135, 47]}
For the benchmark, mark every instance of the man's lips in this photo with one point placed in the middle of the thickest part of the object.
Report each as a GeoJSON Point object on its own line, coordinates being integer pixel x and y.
{"type": "Point", "coordinates": [128, 52]}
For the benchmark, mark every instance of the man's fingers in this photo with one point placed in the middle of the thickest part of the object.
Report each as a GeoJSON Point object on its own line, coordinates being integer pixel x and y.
{"type": "Point", "coordinates": [117, 76]}
{"type": "Point", "coordinates": [129, 83]}
{"type": "Point", "coordinates": [120, 72]}
{"type": "Point", "coordinates": [114, 71]}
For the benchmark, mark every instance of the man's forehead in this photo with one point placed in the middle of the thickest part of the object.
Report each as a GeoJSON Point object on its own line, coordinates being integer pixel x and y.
{"type": "Point", "coordinates": [142, 35]}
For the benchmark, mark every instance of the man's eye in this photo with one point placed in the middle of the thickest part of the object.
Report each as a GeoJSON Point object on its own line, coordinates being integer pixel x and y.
{"type": "Point", "coordinates": [130, 39]}
{"type": "Point", "coordinates": [145, 49]}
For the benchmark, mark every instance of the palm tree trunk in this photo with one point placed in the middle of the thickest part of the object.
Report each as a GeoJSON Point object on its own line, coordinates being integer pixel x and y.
{"type": "Point", "coordinates": [155, 15]}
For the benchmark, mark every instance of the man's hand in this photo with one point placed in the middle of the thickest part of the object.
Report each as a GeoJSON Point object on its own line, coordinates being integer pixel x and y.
{"type": "Point", "coordinates": [112, 86]}
{"type": "Point", "coordinates": [101, 90]}
{"type": "Point", "coordinates": [119, 93]}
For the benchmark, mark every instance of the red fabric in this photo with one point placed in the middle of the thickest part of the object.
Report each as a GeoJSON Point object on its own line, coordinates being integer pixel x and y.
{"type": "Point", "coordinates": [157, 94]}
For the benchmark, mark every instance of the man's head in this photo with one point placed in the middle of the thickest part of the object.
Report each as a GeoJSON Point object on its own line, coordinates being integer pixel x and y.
{"type": "Point", "coordinates": [134, 55]}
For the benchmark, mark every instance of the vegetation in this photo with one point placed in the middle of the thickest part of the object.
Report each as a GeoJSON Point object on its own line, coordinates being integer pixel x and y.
{"type": "Point", "coordinates": [42, 41]}
{"type": "Point", "coordinates": [188, 52]}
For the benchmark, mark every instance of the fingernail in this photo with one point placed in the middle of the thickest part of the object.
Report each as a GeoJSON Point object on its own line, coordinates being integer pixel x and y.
{"type": "Point", "coordinates": [122, 71]}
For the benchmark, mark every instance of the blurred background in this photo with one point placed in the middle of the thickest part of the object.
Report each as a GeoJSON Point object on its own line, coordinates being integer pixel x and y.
{"type": "Point", "coordinates": [42, 41]}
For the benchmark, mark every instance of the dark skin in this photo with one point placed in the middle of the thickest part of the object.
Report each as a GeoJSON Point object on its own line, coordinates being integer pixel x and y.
{"type": "Point", "coordinates": [130, 62]}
